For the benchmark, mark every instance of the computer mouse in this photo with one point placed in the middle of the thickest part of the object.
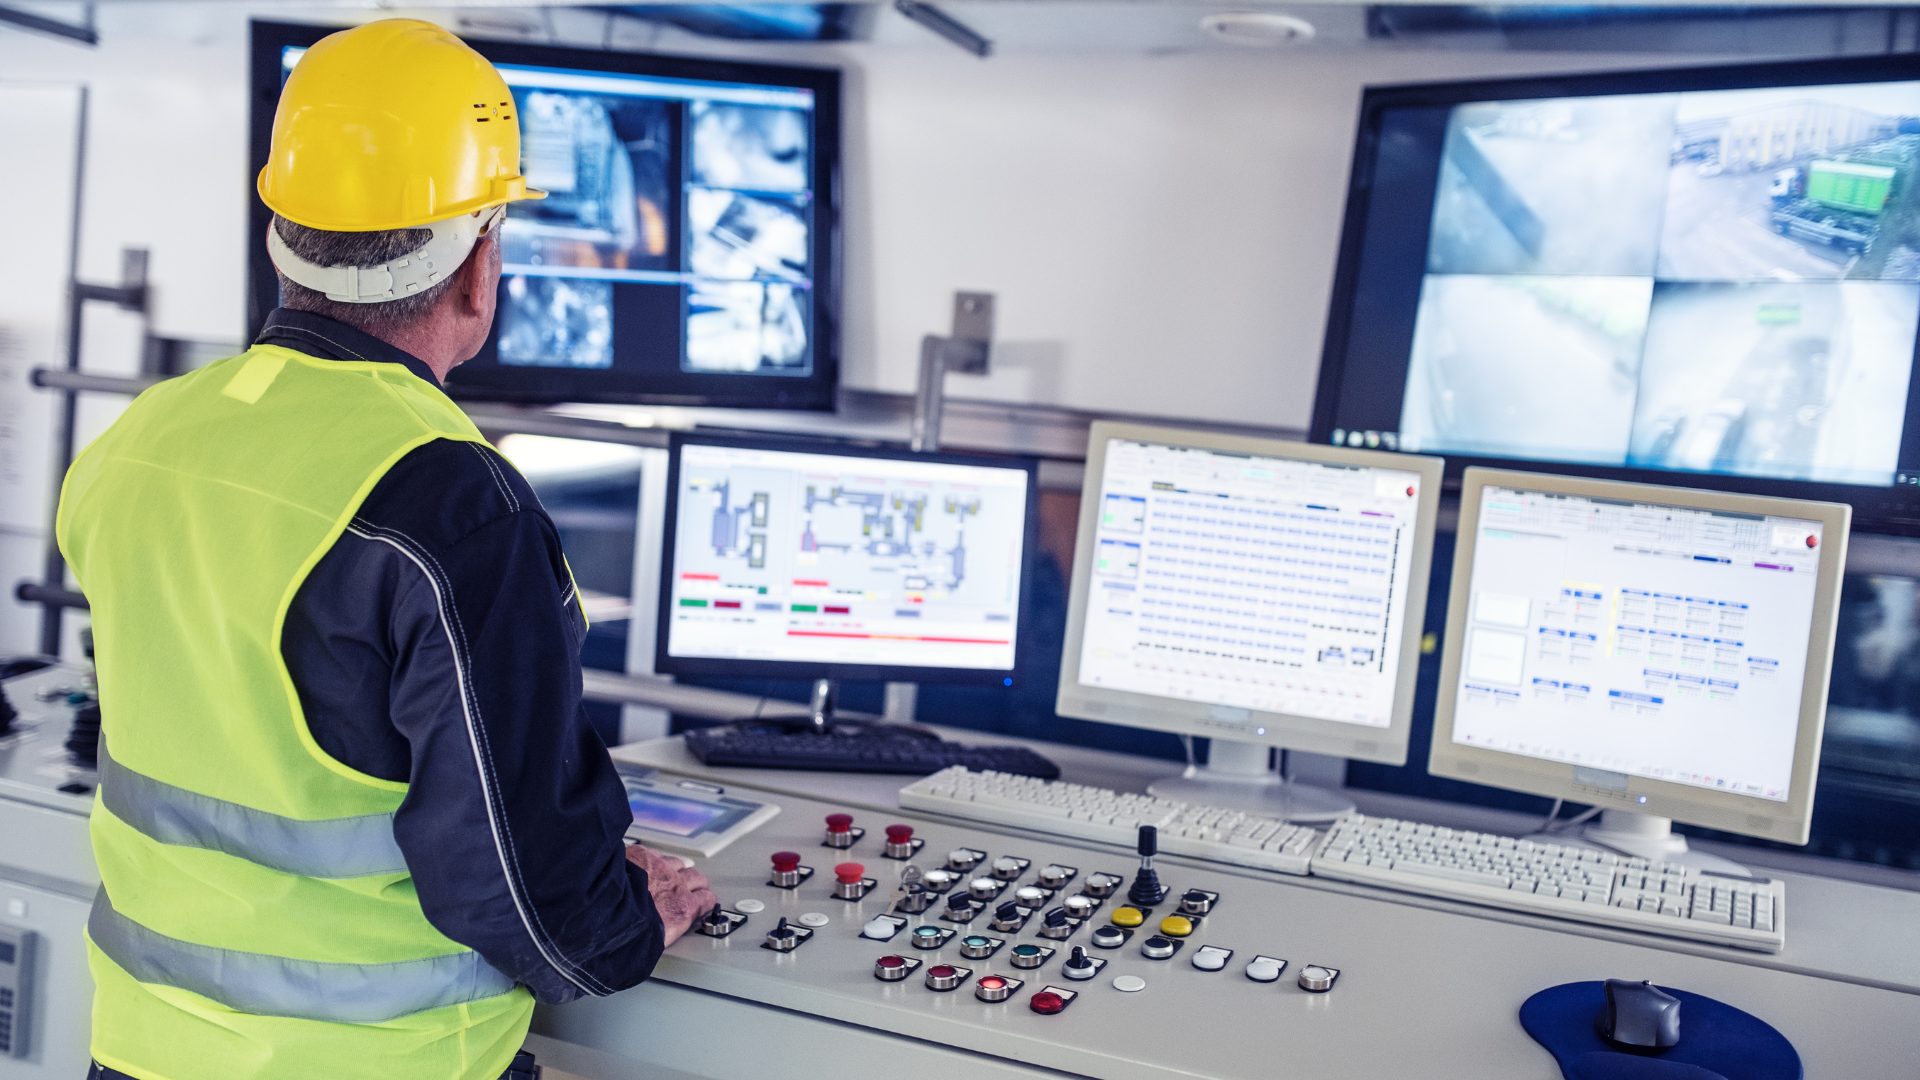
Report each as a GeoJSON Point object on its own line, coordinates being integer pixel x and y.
{"type": "Point", "coordinates": [1639, 1017]}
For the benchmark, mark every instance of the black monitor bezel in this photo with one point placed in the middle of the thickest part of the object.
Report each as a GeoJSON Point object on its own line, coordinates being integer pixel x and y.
{"type": "Point", "coordinates": [792, 669]}
{"type": "Point", "coordinates": [1890, 509]}
{"type": "Point", "coordinates": [553, 385]}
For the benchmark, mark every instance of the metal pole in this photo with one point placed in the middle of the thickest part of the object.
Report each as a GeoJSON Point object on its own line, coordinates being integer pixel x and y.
{"type": "Point", "coordinates": [929, 398]}
{"type": "Point", "coordinates": [54, 572]}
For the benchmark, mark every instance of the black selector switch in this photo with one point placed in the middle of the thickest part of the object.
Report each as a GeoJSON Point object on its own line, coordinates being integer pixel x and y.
{"type": "Point", "coordinates": [1057, 924]}
{"type": "Point", "coordinates": [1080, 965]}
{"type": "Point", "coordinates": [1008, 917]}
{"type": "Point", "coordinates": [1147, 890]}
{"type": "Point", "coordinates": [784, 938]}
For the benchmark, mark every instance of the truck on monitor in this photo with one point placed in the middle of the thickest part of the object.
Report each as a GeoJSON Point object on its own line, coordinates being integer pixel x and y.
{"type": "Point", "coordinates": [1835, 203]}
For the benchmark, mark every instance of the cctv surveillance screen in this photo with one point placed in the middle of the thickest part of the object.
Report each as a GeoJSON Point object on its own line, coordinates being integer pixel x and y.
{"type": "Point", "coordinates": [1709, 281]}
{"type": "Point", "coordinates": [681, 253]}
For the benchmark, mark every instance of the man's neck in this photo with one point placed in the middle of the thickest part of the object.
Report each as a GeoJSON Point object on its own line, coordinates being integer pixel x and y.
{"type": "Point", "coordinates": [430, 343]}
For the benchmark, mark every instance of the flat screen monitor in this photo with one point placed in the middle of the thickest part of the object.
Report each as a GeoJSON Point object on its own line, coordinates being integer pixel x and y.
{"type": "Point", "coordinates": [1712, 272]}
{"type": "Point", "coordinates": [1653, 649]}
{"type": "Point", "coordinates": [1251, 590]}
{"type": "Point", "coordinates": [684, 253]}
{"type": "Point", "coordinates": [811, 559]}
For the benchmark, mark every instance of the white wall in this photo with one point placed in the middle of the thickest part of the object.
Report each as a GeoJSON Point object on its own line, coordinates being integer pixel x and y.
{"type": "Point", "coordinates": [1160, 229]}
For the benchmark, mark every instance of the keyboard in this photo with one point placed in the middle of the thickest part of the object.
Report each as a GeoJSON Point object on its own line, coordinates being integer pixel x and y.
{"type": "Point", "coordinates": [1555, 880]}
{"type": "Point", "coordinates": [860, 753]}
{"type": "Point", "coordinates": [1114, 817]}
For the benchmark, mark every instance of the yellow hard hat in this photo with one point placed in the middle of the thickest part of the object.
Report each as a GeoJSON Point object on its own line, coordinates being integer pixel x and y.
{"type": "Point", "coordinates": [392, 125]}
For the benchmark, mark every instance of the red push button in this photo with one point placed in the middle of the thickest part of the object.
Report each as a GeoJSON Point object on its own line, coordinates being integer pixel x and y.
{"type": "Point", "coordinates": [849, 873]}
{"type": "Point", "coordinates": [1047, 1002]}
{"type": "Point", "coordinates": [899, 834]}
{"type": "Point", "coordinates": [839, 822]}
{"type": "Point", "coordinates": [785, 862]}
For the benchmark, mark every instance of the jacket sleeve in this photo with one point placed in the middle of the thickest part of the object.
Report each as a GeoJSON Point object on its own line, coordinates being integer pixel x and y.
{"type": "Point", "coordinates": [514, 819]}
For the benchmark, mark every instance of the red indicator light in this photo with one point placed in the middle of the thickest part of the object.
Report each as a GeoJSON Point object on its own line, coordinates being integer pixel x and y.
{"type": "Point", "coordinates": [1047, 1002]}
{"type": "Point", "coordinates": [993, 982]}
{"type": "Point", "coordinates": [1813, 541]}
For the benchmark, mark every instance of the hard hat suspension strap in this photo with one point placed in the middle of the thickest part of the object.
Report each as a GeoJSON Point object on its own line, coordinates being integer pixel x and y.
{"type": "Point", "coordinates": [408, 275]}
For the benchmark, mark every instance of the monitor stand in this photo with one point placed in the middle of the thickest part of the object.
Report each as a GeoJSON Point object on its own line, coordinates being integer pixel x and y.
{"type": "Point", "coordinates": [1629, 833]}
{"type": "Point", "coordinates": [820, 711]}
{"type": "Point", "coordinates": [1238, 777]}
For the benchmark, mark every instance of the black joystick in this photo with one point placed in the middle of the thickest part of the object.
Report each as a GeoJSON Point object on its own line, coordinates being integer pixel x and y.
{"type": "Point", "coordinates": [83, 742]}
{"type": "Point", "coordinates": [1078, 961]}
{"type": "Point", "coordinates": [781, 932]}
{"type": "Point", "coordinates": [717, 919]}
{"type": "Point", "coordinates": [1147, 890]}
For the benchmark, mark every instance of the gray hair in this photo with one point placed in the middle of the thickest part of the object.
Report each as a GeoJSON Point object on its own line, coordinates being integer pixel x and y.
{"type": "Point", "coordinates": [361, 249]}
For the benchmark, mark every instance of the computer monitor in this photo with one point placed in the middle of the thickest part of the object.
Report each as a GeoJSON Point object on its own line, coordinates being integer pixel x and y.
{"type": "Point", "coordinates": [814, 559]}
{"type": "Point", "coordinates": [1259, 592]}
{"type": "Point", "coordinates": [1659, 652]}
{"type": "Point", "coordinates": [1711, 272]}
{"type": "Point", "coordinates": [685, 252]}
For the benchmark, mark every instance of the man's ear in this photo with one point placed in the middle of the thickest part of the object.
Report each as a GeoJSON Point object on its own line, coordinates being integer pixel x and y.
{"type": "Point", "coordinates": [473, 283]}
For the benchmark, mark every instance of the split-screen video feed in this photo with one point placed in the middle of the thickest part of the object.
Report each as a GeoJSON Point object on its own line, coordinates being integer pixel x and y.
{"type": "Point", "coordinates": [1723, 281]}
{"type": "Point", "coordinates": [709, 198]}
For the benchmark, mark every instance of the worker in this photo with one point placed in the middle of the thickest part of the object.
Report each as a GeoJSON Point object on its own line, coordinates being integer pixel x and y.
{"type": "Point", "coordinates": [352, 819]}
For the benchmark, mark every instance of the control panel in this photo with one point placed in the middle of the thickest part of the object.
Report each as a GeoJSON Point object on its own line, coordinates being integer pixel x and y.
{"type": "Point", "coordinates": [1039, 950]}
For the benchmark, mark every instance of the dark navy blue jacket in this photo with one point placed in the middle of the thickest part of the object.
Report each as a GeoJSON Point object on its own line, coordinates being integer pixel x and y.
{"type": "Point", "coordinates": [438, 643]}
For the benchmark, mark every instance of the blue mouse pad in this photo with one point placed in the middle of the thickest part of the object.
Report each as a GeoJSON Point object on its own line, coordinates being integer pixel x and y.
{"type": "Point", "coordinates": [1716, 1040]}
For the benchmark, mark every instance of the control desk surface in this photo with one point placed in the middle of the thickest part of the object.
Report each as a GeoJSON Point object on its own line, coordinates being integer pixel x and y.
{"type": "Point", "coordinates": [1418, 991]}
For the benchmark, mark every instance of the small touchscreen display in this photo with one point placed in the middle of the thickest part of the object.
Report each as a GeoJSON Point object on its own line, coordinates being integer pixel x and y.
{"type": "Point", "coordinates": [670, 814]}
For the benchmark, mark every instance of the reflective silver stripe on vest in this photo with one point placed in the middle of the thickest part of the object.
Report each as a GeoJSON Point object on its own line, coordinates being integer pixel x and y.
{"type": "Point", "coordinates": [329, 848]}
{"type": "Point", "coordinates": [265, 985]}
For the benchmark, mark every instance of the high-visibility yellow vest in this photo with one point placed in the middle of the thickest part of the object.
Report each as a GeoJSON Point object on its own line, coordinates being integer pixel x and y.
{"type": "Point", "coordinates": [257, 920]}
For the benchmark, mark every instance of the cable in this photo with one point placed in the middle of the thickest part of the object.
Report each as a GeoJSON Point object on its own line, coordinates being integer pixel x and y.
{"type": "Point", "coordinates": [1547, 825]}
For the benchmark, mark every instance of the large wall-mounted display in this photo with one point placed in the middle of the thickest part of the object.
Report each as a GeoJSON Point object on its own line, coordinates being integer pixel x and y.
{"type": "Point", "coordinates": [1710, 271]}
{"type": "Point", "coordinates": [684, 252]}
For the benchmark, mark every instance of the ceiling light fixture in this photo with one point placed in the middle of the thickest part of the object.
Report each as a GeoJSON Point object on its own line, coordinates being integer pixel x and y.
{"type": "Point", "coordinates": [1257, 28]}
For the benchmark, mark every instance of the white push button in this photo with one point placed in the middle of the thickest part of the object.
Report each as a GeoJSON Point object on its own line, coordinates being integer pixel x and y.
{"type": "Point", "coordinates": [1264, 968]}
{"type": "Point", "coordinates": [1213, 958]}
{"type": "Point", "coordinates": [1129, 984]}
{"type": "Point", "coordinates": [750, 907]}
{"type": "Point", "coordinates": [814, 918]}
{"type": "Point", "coordinates": [879, 929]}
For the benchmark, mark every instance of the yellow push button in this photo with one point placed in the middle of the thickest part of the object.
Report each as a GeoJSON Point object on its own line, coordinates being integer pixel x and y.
{"type": "Point", "coordinates": [1129, 916]}
{"type": "Point", "coordinates": [1176, 926]}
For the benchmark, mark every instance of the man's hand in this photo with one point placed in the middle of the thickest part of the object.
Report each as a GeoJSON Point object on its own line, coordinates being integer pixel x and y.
{"type": "Point", "coordinates": [680, 893]}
